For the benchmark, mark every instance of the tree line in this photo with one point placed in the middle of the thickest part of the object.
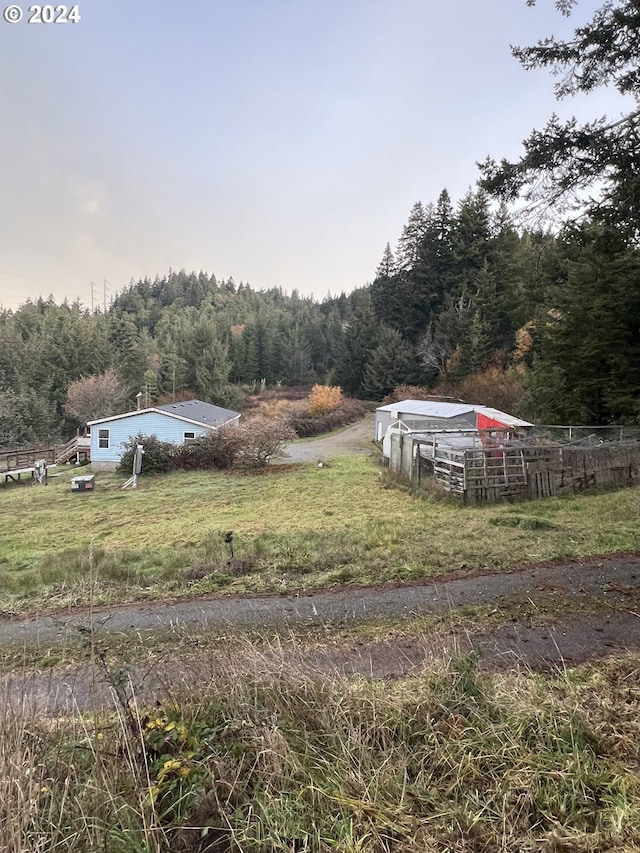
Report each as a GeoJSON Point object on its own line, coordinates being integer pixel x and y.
{"type": "Point", "coordinates": [541, 318]}
{"type": "Point", "coordinates": [463, 299]}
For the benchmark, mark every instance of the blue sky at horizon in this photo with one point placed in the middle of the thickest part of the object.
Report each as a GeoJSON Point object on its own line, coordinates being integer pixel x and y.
{"type": "Point", "coordinates": [280, 142]}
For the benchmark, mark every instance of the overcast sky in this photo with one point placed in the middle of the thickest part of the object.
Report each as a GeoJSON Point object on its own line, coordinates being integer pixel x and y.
{"type": "Point", "coordinates": [281, 142]}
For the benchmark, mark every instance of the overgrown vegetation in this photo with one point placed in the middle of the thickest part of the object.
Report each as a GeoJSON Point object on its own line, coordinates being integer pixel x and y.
{"type": "Point", "coordinates": [324, 409]}
{"type": "Point", "coordinates": [306, 424]}
{"type": "Point", "coordinates": [294, 528]}
{"type": "Point", "coordinates": [275, 756]}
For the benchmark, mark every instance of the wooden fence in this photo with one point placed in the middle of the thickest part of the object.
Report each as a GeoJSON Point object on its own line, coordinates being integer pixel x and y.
{"type": "Point", "coordinates": [536, 471]}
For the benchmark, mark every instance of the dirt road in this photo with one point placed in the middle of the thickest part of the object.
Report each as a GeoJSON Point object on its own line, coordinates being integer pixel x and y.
{"type": "Point", "coordinates": [544, 616]}
{"type": "Point", "coordinates": [610, 577]}
{"type": "Point", "coordinates": [355, 438]}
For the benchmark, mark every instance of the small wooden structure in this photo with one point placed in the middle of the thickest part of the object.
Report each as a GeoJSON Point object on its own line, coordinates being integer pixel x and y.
{"type": "Point", "coordinates": [489, 465]}
{"type": "Point", "coordinates": [14, 464]}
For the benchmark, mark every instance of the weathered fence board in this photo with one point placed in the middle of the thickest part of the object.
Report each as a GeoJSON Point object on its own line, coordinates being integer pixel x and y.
{"type": "Point", "coordinates": [529, 471]}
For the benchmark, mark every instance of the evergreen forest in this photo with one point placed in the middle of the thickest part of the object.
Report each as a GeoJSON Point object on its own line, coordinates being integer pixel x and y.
{"type": "Point", "coordinates": [540, 319]}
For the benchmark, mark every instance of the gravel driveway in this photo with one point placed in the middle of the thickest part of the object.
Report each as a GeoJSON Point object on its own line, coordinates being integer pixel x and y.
{"type": "Point", "coordinates": [342, 605]}
{"type": "Point", "coordinates": [355, 438]}
{"type": "Point", "coordinates": [544, 638]}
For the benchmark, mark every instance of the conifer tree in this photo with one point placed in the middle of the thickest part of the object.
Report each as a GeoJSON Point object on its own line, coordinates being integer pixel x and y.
{"type": "Point", "coordinates": [359, 341]}
{"type": "Point", "coordinates": [391, 363]}
{"type": "Point", "coordinates": [568, 164]}
{"type": "Point", "coordinates": [410, 242]}
{"type": "Point", "coordinates": [586, 366]}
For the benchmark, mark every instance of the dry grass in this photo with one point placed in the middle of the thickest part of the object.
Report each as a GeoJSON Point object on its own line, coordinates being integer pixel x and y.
{"type": "Point", "coordinates": [271, 755]}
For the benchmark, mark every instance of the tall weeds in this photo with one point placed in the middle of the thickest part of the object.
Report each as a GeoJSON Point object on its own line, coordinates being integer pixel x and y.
{"type": "Point", "coordinates": [272, 756]}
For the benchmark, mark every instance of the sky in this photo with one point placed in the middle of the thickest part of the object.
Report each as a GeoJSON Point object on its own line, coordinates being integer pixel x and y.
{"type": "Point", "coordinates": [280, 142]}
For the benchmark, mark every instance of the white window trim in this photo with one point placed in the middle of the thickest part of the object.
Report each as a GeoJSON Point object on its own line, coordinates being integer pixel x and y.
{"type": "Point", "coordinates": [102, 438]}
{"type": "Point", "coordinates": [189, 436]}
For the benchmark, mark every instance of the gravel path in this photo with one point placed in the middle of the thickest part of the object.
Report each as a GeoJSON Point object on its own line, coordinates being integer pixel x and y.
{"type": "Point", "coordinates": [340, 606]}
{"type": "Point", "coordinates": [545, 638]}
{"type": "Point", "coordinates": [356, 438]}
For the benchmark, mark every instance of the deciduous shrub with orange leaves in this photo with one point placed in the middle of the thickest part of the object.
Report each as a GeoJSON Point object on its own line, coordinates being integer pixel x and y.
{"type": "Point", "coordinates": [323, 399]}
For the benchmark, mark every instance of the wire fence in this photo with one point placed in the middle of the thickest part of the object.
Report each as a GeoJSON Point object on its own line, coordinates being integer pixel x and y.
{"type": "Point", "coordinates": [586, 436]}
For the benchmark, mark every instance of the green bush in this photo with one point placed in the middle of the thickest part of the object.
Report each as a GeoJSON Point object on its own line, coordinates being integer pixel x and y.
{"type": "Point", "coordinates": [158, 455]}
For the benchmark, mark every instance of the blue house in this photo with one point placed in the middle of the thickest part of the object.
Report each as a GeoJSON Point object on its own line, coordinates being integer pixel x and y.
{"type": "Point", "coordinates": [174, 422]}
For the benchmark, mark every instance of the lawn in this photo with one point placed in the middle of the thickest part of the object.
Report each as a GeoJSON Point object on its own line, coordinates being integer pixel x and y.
{"type": "Point", "coordinates": [296, 528]}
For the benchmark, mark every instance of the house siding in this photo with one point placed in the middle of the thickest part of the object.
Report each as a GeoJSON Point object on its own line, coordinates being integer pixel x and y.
{"type": "Point", "coordinates": [164, 427]}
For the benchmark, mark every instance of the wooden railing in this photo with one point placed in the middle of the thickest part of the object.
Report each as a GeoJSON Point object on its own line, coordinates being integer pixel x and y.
{"type": "Point", "coordinates": [12, 459]}
{"type": "Point", "coordinates": [79, 446]}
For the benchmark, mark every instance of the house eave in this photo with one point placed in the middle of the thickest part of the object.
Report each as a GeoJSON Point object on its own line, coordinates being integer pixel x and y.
{"type": "Point", "coordinates": [161, 412]}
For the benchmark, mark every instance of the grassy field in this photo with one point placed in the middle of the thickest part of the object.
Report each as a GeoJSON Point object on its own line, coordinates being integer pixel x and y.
{"type": "Point", "coordinates": [296, 528]}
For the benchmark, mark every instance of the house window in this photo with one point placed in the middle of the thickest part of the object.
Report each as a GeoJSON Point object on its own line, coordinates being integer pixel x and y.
{"type": "Point", "coordinates": [103, 439]}
{"type": "Point", "coordinates": [189, 436]}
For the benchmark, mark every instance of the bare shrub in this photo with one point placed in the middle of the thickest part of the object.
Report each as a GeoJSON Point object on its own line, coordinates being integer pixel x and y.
{"type": "Point", "coordinates": [260, 438]}
{"type": "Point", "coordinates": [95, 397]}
{"type": "Point", "coordinates": [278, 409]}
{"type": "Point", "coordinates": [501, 389]}
{"type": "Point", "coordinates": [251, 444]}
{"type": "Point", "coordinates": [407, 392]}
{"type": "Point", "coordinates": [218, 449]}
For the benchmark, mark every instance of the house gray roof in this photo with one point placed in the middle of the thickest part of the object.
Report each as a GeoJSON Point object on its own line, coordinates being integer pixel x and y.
{"type": "Point", "coordinates": [196, 410]}
{"type": "Point", "coordinates": [193, 411]}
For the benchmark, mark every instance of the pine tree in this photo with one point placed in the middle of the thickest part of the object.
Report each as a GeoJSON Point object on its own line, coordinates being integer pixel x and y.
{"type": "Point", "coordinates": [567, 163]}
{"type": "Point", "coordinates": [359, 341]}
{"type": "Point", "coordinates": [586, 365]}
{"type": "Point", "coordinates": [410, 242]}
{"type": "Point", "coordinates": [150, 388]}
{"type": "Point", "coordinates": [387, 267]}
{"type": "Point", "coordinates": [391, 363]}
{"type": "Point", "coordinates": [212, 369]}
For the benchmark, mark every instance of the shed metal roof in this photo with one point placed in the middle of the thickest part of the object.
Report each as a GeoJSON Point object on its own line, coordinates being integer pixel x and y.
{"type": "Point", "coordinates": [435, 409]}
{"type": "Point", "coordinates": [429, 408]}
{"type": "Point", "coordinates": [503, 417]}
